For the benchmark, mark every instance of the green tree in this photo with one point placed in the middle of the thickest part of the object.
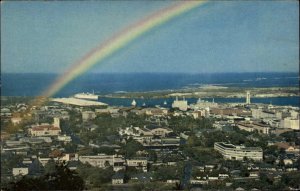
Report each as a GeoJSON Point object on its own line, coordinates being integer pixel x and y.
{"type": "Point", "coordinates": [131, 147]}
{"type": "Point", "coordinates": [50, 167]}
{"type": "Point", "coordinates": [61, 179]}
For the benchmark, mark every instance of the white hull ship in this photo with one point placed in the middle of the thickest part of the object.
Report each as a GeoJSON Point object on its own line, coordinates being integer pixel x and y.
{"type": "Point", "coordinates": [87, 96]}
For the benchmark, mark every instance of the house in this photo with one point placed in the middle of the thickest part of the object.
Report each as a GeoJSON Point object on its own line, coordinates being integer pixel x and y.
{"type": "Point", "coordinates": [103, 160]}
{"type": "Point", "coordinates": [254, 174]}
{"type": "Point", "coordinates": [141, 177]}
{"type": "Point", "coordinates": [20, 171]}
{"type": "Point", "coordinates": [158, 112]}
{"type": "Point", "coordinates": [110, 110]}
{"type": "Point", "coordinates": [64, 138]}
{"type": "Point", "coordinates": [16, 120]}
{"type": "Point", "coordinates": [36, 140]}
{"type": "Point", "coordinates": [117, 178]}
{"type": "Point", "coordinates": [88, 115]}
{"type": "Point", "coordinates": [200, 113]}
{"type": "Point", "coordinates": [145, 131]}
{"type": "Point", "coordinates": [173, 181]}
{"type": "Point", "coordinates": [44, 161]}
{"type": "Point", "coordinates": [139, 163]}
{"type": "Point", "coordinates": [44, 130]}
{"type": "Point", "coordinates": [223, 176]}
{"type": "Point", "coordinates": [287, 147]}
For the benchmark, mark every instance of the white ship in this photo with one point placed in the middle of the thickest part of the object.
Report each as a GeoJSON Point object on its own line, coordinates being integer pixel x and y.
{"type": "Point", "coordinates": [133, 103]}
{"type": "Point", "coordinates": [88, 96]}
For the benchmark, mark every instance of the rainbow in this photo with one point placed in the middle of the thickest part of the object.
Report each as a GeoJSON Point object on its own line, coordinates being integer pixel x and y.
{"type": "Point", "coordinates": [119, 41]}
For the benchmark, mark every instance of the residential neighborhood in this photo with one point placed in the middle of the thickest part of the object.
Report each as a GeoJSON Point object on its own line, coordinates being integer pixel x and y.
{"type": "Point", "coordinates": [202, 145]}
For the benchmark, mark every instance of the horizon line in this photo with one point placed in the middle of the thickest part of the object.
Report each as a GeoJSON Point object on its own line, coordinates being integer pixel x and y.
{"type": "Point", "coordinates": [189, 73]}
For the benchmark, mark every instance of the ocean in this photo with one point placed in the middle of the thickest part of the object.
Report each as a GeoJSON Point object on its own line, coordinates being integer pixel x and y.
{"type": "Point", "coordinates": [25, 84]}
{"type": "Point", "coordinates": [283, 101]}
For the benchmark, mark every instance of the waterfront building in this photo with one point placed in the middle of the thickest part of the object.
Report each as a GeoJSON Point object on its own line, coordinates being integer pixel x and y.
{"type": "Point", "coordinates": [180, 104]}
{"type": "Point", "coordinates": [202, 104]}
{"type": "Point", "coordinates": [233, 152]}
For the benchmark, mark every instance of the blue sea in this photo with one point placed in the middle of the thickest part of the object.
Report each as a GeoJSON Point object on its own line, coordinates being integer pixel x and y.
{"type": "Point", "coordinates": [33, 84]}
{"type": "Point", "coordinates": [287, 101]}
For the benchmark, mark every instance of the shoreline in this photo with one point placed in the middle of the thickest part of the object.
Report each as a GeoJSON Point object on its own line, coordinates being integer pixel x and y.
{"type": "Point", "coordinates": [207, 91]}
{"type": "Point", "coordinates": [211, 92]}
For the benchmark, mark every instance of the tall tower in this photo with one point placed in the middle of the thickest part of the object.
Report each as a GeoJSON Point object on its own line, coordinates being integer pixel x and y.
{"type": "Point", "coordinates": [248, 101]}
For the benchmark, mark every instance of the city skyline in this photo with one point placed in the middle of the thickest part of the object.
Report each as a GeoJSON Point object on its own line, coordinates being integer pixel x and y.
{"type": "Point", "coordinates": [214, 37]}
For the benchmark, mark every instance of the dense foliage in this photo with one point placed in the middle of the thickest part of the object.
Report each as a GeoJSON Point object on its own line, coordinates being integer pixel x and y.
{"type": "Point", "coordinates": [62, 178]}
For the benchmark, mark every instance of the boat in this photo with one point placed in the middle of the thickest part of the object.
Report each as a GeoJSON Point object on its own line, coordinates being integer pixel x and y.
{"type": "Point", "coordinates": [165, 102]}
{"type": "Point", "coordinates": [133, 103]}
{"type": "Point", "coordinates": [87, 96]}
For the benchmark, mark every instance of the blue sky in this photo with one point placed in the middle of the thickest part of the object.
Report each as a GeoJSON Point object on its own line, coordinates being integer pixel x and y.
{"type": "Point", "coordinates": [219, 36]}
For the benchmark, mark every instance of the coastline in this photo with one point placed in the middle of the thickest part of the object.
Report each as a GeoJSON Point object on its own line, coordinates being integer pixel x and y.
{"type": "Point", "coordinates": [211, 91]}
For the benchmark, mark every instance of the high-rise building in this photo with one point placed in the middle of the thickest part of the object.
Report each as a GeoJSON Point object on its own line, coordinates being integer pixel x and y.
{"type": "Point", "coordinates": [248, 101]}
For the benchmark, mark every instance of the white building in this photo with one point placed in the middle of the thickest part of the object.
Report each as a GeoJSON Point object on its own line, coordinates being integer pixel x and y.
{"type": "Point", "coordinates": [117, 179]}
{"type": "Point", "coordinates": [56, 122]}
{"type": "Point", "coordinates": [251, 126]}
{"type": "Point", "coordinates": [202, 104]}
{"type": "Point", "coordinates": [22, 171]}
{"type": "Point", "coordinates": [16, 120]}
{"type": "Point", "coordinates": [145, 131]}
{"type": "Point", "coordinates": [110, 110]}
{"type": "Point", "coordinates": [46, 129]}
{"type": "Point", "coordinates": [233, 152]}
{"type": "Point", "coordinates": [138, 163]}
{"type": "Point", "coordinates": [180, 104]}
{"type": "Point", "coordinates": [248, 101]}
{"type": "Point", "coordinates": [290, 123]}
{"type": "Point", "coordinates": [88, 115]}
{"type": "Point", "coordinates": [103, 160]}
{"type": "Point", "coordinates": [64, 138]}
